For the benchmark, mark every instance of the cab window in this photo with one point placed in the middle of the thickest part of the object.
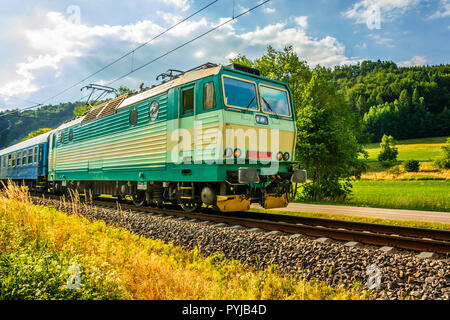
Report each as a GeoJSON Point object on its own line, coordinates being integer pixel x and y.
{"type": "Point", "coordinates": [240, 93]}
{"type": "Point", "coordinates": [187, 100]}
{"type": "Point", "coordinates": [209, 98]}
{"type": "Point", "coordinates": [274, 100]}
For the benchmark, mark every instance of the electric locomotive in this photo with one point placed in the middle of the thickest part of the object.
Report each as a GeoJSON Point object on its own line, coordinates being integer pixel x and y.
{"type": "Point", "coordinates": [221, 136]}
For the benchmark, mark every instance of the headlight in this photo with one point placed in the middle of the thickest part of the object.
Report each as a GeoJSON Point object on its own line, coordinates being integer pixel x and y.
{"type": "Point", "coordinates": [237, 153]}
{"type": "Point", "coordinates": [286, 156]}
{"type": "Point", "coordinates": [280, 156]}
{"type": "Point", "coordinates": [229, 152]}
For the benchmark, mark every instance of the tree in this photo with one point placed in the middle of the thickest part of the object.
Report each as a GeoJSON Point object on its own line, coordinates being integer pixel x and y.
{"type": "Point", "coordinates": [326, 142]}
{"type": "Point", "coordinates": [389, 151]}
{"type": "Point", "coordinates": [36, 133]}
{"type": "Point", "coordinates": [123, 90]}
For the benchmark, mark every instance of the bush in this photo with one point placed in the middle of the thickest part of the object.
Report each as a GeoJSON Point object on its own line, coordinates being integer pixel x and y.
{"type": "Point", "coordinates": [395, 170]}
{"type": "Point", "coordinates": [411, 165]}
{"type": "Point", "coordinates": [444, 162]}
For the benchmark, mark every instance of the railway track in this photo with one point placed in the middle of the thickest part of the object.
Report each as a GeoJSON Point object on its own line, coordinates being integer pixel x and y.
{"type": "Point", "coordinates": [409, 238]}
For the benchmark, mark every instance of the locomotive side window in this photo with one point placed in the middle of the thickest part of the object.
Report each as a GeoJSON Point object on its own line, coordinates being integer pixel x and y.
{"type": "Point", "coordinates": [19, 158]}
{"type": "Point", "coordinates": [9, 161]}
{"type": "Point", "coordinates": [239, 93]}
{"type": "Point", "coordinates": [209, 98]}
{"type": "Point", "coordinates": [62, 137]}
{"type": "Point", "coordinates": [30, 156]}
{"type": "Point", "coordinates": [14, 159]}
{"type": "Point", "coordinates": [133, 116]}
{"type": "Point", "coordinates": [35, 154]}
{"type": "Point", "coordinates": [70, 135]}
{"type": "Point", "coordinates": [24, 157]}
{"type": "Point", "coordinates": [187, 96]}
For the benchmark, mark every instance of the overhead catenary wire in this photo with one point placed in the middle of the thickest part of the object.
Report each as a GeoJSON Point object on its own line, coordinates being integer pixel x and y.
{"type": "Point", "coordinates": [188, 42]}
{"type": "Point", "coordinates": [118, 59]}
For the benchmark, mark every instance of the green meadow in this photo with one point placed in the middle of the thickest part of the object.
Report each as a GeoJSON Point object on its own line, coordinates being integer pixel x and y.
{"type": "Point", "coordinates": [426, 149]}
{"type": "Point", "coordinates": [419, 195]}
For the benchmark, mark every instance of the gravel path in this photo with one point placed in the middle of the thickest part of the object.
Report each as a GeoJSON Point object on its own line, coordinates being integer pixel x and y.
{"type": "Point", "coordinates": [403, 274]}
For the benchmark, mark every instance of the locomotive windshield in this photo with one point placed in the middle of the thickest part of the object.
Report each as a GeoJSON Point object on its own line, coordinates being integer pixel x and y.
{"type": "Point", "coordinates": [240, 93]}
{"type": "Point", "coordinates": [274, 100]}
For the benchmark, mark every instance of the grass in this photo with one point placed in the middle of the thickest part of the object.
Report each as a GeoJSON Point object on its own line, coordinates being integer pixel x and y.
{"type": "Point", "coordinates": [418, 195]}
{"type": "Point", "coordinates": [421, 194]}
{"type": "Point", "coordinates": [38, 245]}
{"type": "Point", "coordinates": [425, 149]}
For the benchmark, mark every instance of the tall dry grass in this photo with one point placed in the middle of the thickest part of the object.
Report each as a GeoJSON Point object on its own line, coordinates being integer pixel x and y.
{"type": "Point", "coordinates": [116, 264]}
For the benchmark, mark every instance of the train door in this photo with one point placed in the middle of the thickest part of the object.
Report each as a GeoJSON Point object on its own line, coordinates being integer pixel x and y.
{"type": "Point", "coordinates": [186, 114]}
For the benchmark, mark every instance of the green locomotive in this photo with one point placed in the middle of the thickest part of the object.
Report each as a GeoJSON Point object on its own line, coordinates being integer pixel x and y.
{"type": "Point", "coordinates": [214, 135]}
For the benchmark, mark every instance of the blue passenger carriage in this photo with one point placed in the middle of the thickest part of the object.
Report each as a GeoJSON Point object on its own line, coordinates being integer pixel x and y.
{"type": "Point", "coordinates": [26, 162]}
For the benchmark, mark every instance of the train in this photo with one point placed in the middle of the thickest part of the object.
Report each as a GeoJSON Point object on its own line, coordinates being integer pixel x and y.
{"type": "Point", "coordinates": [216, 136]}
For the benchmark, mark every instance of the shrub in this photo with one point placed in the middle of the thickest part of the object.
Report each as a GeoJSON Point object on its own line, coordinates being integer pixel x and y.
{"type": "Point", "coordinates": [444, 162]}
{"type": "Point", "coordinates": [411, 165]}
{"type": "Point", "coordinates": [395, 170]}
{"type": "Point", "coordinates": [388, 150]}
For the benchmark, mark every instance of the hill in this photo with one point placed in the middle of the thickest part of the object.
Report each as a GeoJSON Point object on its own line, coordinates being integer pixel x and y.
{"type": "Point", "coordinates": [405, 102]}
{"type": "Point", "coordinates": [14, 126]}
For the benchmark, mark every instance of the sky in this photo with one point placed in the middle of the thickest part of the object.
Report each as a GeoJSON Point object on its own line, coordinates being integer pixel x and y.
{"type": "Point", "coordinates": [49, 46]}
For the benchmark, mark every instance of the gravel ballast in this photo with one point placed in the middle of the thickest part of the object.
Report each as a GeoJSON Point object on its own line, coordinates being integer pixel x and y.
{"type": "Point", "coordinates": [403, 274]}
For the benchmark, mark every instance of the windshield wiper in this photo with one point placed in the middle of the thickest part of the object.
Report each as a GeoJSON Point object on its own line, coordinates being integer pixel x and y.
{"type": "Point", "coordinates": [249, 103]}
{"type": "Point", "coordinates": [270, 108]}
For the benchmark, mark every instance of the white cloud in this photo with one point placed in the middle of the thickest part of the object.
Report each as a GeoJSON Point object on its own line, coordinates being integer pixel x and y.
{"type": "Point", "coordinates": [387, 42]}
{"type": "Point", "coordinates": [231, 55]}
{"type": "Point", "coordinates": [389, 9]}
{"type": "Point", "coordinates": [361, 46]}
{"type": "Point", "coordinates": [415, 61]}
{"type": "Point", "coordinates": [269, 10]}
{"type": "Point", "coordinates": [326, 51]}
{"type": "Point", "coordinates": [180, 4]}
{"type": "Point", "coordinates": [199, 54]}
{"type": "Point", "coordinates": [70, 51]}
{"type": "Point", "coordinates": [302, 21]}
{"type": "Point", "coordinates": [444, 10]}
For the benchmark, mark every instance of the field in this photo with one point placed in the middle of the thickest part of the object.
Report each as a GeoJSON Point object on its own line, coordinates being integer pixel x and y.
{"type": "Point", "coordinates": [421, 194]}
{"type": "Point", "coordinates": [426, 149]}
{"type": "Point", "coordinates": [428, 189]}
{"type": "Point", "coordinates": [393, 187]}
{"type": "Point", "coordinates": [46, 254]}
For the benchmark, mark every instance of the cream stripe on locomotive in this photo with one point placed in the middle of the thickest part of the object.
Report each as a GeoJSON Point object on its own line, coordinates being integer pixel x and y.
{"type": "Point", "coordinates": [155, 148]}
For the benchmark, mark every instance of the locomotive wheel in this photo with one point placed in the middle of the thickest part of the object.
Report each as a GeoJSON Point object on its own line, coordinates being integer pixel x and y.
{"type": "Point", "coordinates": [189, 205]}
{"type": "Point", "coordinates": [139, 198]}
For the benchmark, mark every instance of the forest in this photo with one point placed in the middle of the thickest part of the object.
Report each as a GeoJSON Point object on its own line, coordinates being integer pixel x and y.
{"type": "Point", "coordinates": [405, 102]}
{"type": "Point", "coordinates": [15, 126]}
